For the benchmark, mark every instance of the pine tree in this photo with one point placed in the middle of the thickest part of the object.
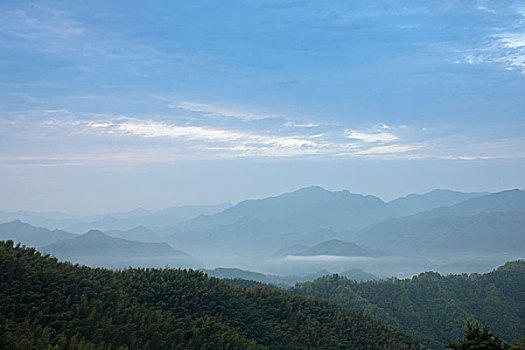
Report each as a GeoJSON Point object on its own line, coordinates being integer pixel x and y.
{"type": "Point", "coordinates": [478, 339]}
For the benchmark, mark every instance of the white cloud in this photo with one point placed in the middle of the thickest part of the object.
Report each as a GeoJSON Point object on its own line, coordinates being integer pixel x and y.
{"type": "Point", "coordinates": [229, 142]}
{"type": "Point", "coordinates": [371, 137]}
{"type": "Point", "coordinates": [513, 40]}
{"type": "Point", "coordinates": [389, 149]}
{"type": "Point", "coordinates": [235, 139]}
{"type": "Point", "coordinates": [104, 139]}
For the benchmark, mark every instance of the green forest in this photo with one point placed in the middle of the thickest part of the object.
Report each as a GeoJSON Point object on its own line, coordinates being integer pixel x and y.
{"type": "Point", "coordinates": [433, 308]}
{"type": "Point", "coordinates": [46, 304]}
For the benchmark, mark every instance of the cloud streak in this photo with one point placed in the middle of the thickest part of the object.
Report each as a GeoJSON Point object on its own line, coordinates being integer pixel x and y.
{"type": "Point", "coordinates": [505, 46]}
{"type": "Point", "coordinates": [231, 142]}
{"type": "Point", "coordinates": [215, 110]}
{"type": "Point", "coordinates": [371, 137]}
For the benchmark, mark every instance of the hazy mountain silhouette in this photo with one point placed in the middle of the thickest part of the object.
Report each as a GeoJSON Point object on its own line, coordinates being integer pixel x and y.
{"type": "Point", "coordinates": [493, 223]}
{"type": "Point", "coordinates": [31, 236]}
{"type": "Point", "coordinates": [415, 203]}
{"type": "Point", "coordinates": [95, 248]}
{"type": "Point", "coordinates": [308, 209]}
{"type": "Point", "coordinates": [49, 220]}
{"type": "Point", "coordinates": [509, 200]}
{"type": "Point", "coordinates": [112, 221]}
{"type": "Point", "coordinates": [139, 233]}
{"type": "Point", "coordinates": [300, 217]}
{"type": "Point", "coordinates": [141, 217]}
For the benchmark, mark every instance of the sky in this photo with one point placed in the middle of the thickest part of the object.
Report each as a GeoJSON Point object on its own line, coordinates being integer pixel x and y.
{"type": "Point", "coordinates": [112, 105]}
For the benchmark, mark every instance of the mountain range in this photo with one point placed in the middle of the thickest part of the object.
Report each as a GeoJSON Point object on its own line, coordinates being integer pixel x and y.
{"type": "Point", "coordinates": [315, 208]}
{"type": "Point", "coordinates": [440, 230]}
{"type": "Point", "coordinates": [113, 221]}
{"type": "Point", "coordinates": [493, 223]}
{"type": "Point", "coordinates": [96, 248]}
{"type": "Point", "coordinates": [300, 217]}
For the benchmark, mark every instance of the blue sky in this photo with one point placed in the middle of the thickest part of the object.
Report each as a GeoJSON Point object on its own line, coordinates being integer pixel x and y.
{"type": "Point", "coordinates": [113, 105]}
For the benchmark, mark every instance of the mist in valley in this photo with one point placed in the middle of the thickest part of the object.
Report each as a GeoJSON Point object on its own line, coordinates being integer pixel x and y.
{"type": "Point", "coordinates": [294, 237]}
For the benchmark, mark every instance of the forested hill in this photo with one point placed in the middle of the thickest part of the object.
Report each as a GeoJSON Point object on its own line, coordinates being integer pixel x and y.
{"type": "Point", "coordinates": [44, 302]}
{"type": "Point", "coordinates": [434, 308]}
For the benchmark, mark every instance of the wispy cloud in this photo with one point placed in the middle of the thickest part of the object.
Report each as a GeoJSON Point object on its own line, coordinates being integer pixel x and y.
{"type": "Point", "coordinates": [39, 28]}
{"type": "Point", "coordinates": [505, 46]}
{"type": "Point", "coordinates": [217, 110]}
{"type": "Point", "coordinates": [513, 40]}
{"type": "Point", "coordinates": [49, 23]}
{"type": "Point", "coordinates": [390, 149]}
{"type": "Point", "coordinates": [87, 137]}
{"type": "Point", "coordinates": [231, 142]}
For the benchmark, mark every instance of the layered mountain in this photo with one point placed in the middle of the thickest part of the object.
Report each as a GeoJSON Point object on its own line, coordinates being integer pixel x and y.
{"type": "Point", "coordinates": [113, 221]}
{"type": "Point", "coordinates": [95, 248]}
{"type": "Point", "coordinates": [416, 203]}
{"type": "Point", "coordinates": [31, 236]}
{"type": "Point", "coordinates": [139, 233]}
{"type": "Point", "coordinates": [140, 217]}
{"type": "Point", "coordinates": [49, 220]}
{"type": "Point", "coordinates": [307, 209]}
{"type": "Point", "coordinates": [294, 217]}
{"type": "Point", "coordinates": [493, 223]}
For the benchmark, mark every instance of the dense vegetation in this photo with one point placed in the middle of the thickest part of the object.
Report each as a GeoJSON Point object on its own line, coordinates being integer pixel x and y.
{"type": "Point", "coordinates": [434, 308]}
{"type": "Point", "coordinates": [478, 338]}
{"type": "Point", "coordinates": [47, 303]}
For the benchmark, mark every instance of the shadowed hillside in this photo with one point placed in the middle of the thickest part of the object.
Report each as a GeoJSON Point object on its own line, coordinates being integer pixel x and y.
{"type": "Point", "coordinates": [44, 302]}
{"type": "Point", "coordinates": [432, 307]}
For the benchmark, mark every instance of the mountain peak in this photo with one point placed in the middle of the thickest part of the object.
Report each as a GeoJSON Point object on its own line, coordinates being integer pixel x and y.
{"type": "Point", "coordinates": [311, 189]}
{"type": "Point", "coordinates": [94, 234]}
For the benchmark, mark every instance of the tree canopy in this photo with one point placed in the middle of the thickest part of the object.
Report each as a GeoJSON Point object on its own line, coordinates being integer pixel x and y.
{"type": "Point", "coordinates": [45, 303]}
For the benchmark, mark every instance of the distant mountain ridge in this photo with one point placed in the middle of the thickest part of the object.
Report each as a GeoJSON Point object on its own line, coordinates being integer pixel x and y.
{"type": "Point", "coordinates": [487, 224]}
{"type": "Point", "coordinates": [311, 209]}
{"type": "Point", "coordinates": [97, 249]}
{"type": "Point", "coordinates": [112, 221]}
{"type": "Point", "coordinates": [314, 208]}
{"type": "Point", "coordinates": [97, 243]}
{"type": "Point", "coordinates": [141, 217]}
{"type": "Point", "coordinates": [139, 233]}
{"type": "Point", "coordinates": [414, 203]}
{"type": "Point", "coordinates": [31, 236]}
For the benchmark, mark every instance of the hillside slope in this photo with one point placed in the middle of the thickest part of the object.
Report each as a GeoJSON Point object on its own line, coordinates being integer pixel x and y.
{"type": "Point", "coordinates": [434, 308]}
{"type": "Point", "coordinates": [46, 302]}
